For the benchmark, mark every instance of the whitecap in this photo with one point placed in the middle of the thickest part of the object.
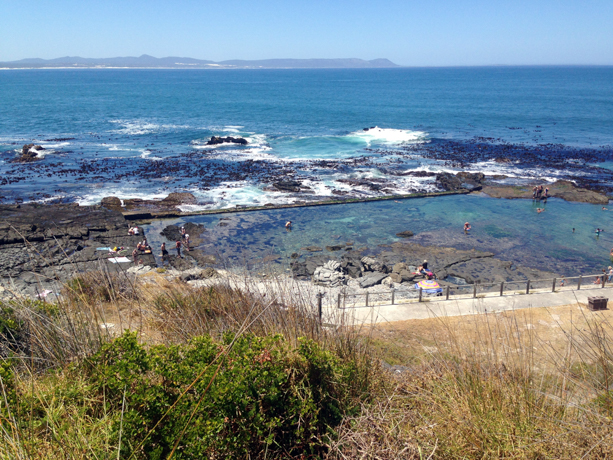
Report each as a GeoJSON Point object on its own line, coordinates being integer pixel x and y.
{"type": "Point", "coordinates": [389, 136]}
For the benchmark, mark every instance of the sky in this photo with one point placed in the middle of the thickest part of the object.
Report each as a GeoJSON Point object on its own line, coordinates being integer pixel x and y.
{"type": "Point", "coordinates": [410, 33]}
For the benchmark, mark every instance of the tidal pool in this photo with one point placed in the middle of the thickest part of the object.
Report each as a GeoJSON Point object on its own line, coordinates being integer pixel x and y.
{"type": "Point", "coordinates": [511, 229]}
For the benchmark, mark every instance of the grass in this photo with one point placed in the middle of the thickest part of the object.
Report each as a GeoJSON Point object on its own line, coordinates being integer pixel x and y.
{"type": "Point", "coordinates": [534, 383]}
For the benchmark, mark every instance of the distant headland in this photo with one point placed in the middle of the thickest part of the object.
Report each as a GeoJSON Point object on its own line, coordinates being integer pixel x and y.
{"type": "Point", "coordinates": [150, 62]}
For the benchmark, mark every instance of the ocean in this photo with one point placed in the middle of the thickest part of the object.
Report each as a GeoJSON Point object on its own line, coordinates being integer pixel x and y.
{"type": "Point", "coordinates": [142, 133]}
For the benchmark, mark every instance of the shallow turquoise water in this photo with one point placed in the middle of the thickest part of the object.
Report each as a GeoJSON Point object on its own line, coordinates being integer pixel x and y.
{"type": "Point", "coordinates": [512, 229]}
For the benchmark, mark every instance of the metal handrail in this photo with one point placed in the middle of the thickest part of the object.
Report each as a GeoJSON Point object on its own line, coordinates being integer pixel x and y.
{"type": "Point", "coordinates": [395, 295]}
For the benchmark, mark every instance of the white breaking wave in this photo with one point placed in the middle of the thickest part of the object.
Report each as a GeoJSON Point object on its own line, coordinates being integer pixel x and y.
{"type": "Point", "coordinates": [389, 136]}
{"type": "Point", "coordinates": [138, 127]}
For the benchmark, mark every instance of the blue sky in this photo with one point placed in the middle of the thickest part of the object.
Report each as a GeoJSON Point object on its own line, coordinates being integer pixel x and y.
{"type": "Point", "coordinates": [412, 33]}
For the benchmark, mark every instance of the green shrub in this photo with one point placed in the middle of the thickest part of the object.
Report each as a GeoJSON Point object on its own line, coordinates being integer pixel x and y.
{"type": "Point", "coordinates": [232, 399]}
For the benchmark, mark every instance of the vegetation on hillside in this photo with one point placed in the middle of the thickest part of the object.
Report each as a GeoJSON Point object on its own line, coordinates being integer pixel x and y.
{"type": "Point", "coordinates": [124, 368]}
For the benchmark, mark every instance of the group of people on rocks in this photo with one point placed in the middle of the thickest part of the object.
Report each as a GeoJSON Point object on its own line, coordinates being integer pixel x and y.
{"type": "Point", "coordinates": [538, 193]}
{"type": "Point", "coordinates": [142, 247]}
{"type": "Point", "coordinates": [423, 270]}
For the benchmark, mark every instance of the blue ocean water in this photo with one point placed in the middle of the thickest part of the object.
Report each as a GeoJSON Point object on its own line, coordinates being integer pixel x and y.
{"type": "Point", "coordinates": [142, 133]}
{"type": "Point", "coordinates": [560, 240]}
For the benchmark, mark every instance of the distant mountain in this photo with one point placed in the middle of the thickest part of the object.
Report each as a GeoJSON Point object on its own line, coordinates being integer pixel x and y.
{"type": "Point", "coordinates": [146, 61]}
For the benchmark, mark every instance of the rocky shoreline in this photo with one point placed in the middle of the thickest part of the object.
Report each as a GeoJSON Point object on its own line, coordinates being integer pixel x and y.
{"type": "Point", "coordinates": [43, 245]}
{"type": "Point", "coordinates": [460, 183]}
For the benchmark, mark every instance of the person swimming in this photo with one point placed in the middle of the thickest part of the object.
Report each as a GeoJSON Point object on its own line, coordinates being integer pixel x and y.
{"type": "Point", "coordinates": [467, 227]}
{"type": "Point", "coordinates": [288, 224]}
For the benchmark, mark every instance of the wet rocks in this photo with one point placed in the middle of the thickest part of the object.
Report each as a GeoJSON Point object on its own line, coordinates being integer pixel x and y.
{"type": "Point", "coordinates": [312, 249]}
{"type": "Point", "coordinates": [215, 140]}
{"type": "Point", "coordinates": [334, 247]}
{"type": "Point", "coordinates": [448, 182]}
{"type": "Point", "coordinates": [177, 198]}
{"type": "Point", "coordinates": [288, 186]}
{"type": "Point", "coordinates": [29, 153]}
{"type": "Point", "coordinates": [405, 234]}
{"type": "Point", "coordinates": [111, 202]}
{"type": "Point", "coordinates": [564, 189]}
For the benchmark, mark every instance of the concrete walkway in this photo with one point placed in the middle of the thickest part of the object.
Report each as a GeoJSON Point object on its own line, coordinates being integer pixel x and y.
{"type": "Point", "coordinates": [431, 308]}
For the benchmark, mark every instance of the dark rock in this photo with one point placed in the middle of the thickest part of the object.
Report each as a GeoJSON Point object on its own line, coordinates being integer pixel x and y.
{"type": "Point", "coordinates": [448, 182]}
{"type": "Point", "coordinates": [372, 279]}
{"type": "Point", "coordinates": [215, 140]}
{"type": "Point", "coordinates": [111, 202]}
{"type": "Point", "coordinates": [295, 255]}
{"type": "Point", "coordinates": [474, 179]}
{"type": "Point", "coordinates": [333, 248]}
{"type": "Point", "coordinates": [398, 267]}
{"type": "Point", "coordinates": [29, 153]}
{"type": "Point", "coordinates": [202, 274]}
{"type": "Point", "coordinates": [312, 249]}
{"type": "Point", "coordinates": [177, 198]}
{"type": "Point", "coordinates": [405, 234]}
{"type": "Point", "coordinates": [287, 186]}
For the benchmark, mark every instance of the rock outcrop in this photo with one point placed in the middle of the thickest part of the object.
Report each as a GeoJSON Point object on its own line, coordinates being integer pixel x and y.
{"type": "Point", "coordinates": [215, 140]}
{"type": "Point", "coordinates": [330, 275]}
{"type": "Point", "coordinates": [29, 153]}
{"type": "Point", "coordinates": [43, 243]}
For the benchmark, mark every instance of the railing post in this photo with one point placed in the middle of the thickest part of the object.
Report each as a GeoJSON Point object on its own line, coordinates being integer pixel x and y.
{"type": "Point", "coordinates": [393, 295]}
{"type": "Point", "coordinates": [579, 283]}
{"type": "Point", "coordinates": [447, 294]}
{"type": "Point", "coordinates": [338, 301]}
{"type": "Point", "coordinates": [501, 288]}
{"type": "Point", "coordinates": [367, 298]}
{"type": "Point", "coordinates": [553, 285]}
{"type": "Point", "coordinates": [319, 308]}
{"type": "Point", "coordinates": [420, 292]}
{"type": "Point", "coordinates": [604, 280]}
{"type": "Point", "coordinates": [528, 287]}
{"type": "Point", "coordinates": [474, 290]}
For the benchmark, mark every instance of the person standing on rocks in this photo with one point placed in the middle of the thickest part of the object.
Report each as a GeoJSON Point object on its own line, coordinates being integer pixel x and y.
{"type": "Point", "coordinates": [183, 232]}
{"type": "Point", "coordinates": [165, 255]}
{"type": "Point", "coordinates": [186, 242]}
{"type": "Point", "coordinates": [178, 247]}
{"type": "Point", "coordinates": [135, 256]}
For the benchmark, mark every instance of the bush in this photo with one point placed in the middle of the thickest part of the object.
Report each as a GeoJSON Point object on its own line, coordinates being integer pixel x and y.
{"type": "Point", "coordinates": [243, 396]}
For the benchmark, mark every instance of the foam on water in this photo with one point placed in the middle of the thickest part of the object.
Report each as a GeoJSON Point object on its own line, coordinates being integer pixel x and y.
{"type": "Point", "coordinates": [125, 191]}
{"type": "Point", "coordinates": [389, 136]}
{"type": "Point", "coordinates": [140, 127]}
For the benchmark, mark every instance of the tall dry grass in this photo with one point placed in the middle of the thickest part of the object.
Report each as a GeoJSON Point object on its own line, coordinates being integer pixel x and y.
{"type": "Point", "coordinates": [490, 394]}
